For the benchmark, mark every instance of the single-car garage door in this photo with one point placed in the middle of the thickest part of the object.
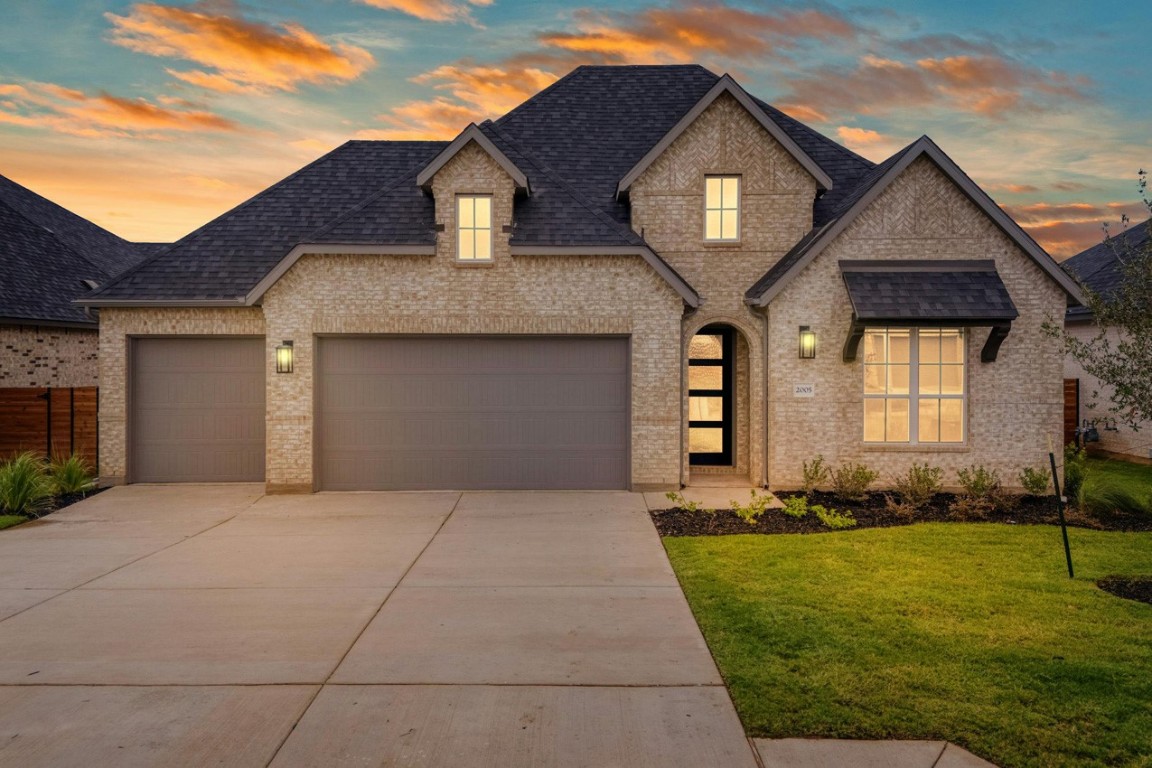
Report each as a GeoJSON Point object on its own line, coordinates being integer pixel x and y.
{"type": "Point", "coordinates": [197, 410]}
{"type": "Point", "coordinates": [472, 412]}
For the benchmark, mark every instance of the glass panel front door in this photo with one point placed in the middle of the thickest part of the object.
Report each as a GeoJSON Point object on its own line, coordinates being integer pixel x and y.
{"type": "Point", "coordinates": [710, 387]}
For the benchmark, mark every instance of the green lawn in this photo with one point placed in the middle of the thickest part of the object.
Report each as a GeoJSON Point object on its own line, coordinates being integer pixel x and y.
{"type": "Point", "coordinates": [967, 632]}
{"type": "Point", "coordinates": [7, 521]}
{"type": "Point", "coordinates": [1137, 476]}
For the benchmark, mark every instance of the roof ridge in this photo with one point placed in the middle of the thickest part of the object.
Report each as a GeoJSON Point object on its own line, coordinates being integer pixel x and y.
{"type": "Point", "coordinates": [52, 233]}
{"type": "Point", "coordinates": [627, 232]}
{"type": "Point", "coordinates": [241, 206]}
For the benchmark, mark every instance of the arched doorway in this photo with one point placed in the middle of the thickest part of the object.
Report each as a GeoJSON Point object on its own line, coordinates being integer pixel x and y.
{"type": "Point", "coordinates": [712, 397]}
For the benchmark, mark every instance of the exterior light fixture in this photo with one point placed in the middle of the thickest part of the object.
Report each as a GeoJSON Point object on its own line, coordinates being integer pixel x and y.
{"type": "Point", "coordinates": [807, 343]}
{"type": "Point", "coordinates": [284, 357]}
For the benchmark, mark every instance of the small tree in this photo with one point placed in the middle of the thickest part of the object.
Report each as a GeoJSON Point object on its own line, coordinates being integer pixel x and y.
{"type": "Point", "coordinates": [1122, 360]}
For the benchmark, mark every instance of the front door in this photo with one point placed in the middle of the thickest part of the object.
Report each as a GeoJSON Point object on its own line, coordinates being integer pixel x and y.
{"type": "Point", "coordinates": [710, 386]}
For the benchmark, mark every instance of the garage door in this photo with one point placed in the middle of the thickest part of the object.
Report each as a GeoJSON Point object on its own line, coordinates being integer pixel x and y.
{"type": "Point", "coordinates": [197, 410]}
{"type": "Point", "coordinates": [472, 412]}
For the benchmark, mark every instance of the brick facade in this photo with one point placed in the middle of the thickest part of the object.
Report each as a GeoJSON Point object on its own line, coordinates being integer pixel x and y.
{"type": "Point", "coordinates": [39, 356]}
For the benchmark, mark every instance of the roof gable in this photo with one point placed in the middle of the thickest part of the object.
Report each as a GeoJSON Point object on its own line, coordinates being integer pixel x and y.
{"type": "Point", "coordinates": [870, 188]}
{"type": "Point", "coordinates": [725, 85]}
{"type": "Point", "coordinates": [471, 134]}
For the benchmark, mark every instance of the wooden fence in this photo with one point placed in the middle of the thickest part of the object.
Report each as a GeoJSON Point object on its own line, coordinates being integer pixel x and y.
{"type": "Point", "coordinates": [1071, 409]}
{"type": "Point", "coordinates": [55, 421]}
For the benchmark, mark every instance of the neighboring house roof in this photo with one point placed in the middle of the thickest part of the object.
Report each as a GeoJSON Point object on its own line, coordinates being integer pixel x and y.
{"type": "Point", "coordinates": [869, 188]}
{"type": "Point", "coordinates": [47, 253]}
{"type": "Point", "coordinates": [1099, 267]}
{"type": "Point", "coordinates": [571, 144]}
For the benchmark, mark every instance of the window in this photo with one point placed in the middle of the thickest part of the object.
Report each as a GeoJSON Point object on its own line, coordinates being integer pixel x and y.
{"type": "Point", "coordinates": [721, 207]}
{"type": "Point", "coordinates": [914, 385]}
{"type": "Point", "coordinates": [474, 228]}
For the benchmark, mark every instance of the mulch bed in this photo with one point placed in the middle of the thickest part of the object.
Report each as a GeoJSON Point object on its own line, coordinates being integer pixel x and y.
{"type": "Point", "coordinates": [874, 512]}
{"type": "Point", "coordinates": [1128, 587]}
{"type": "Point", "coordinates": [60, 502]}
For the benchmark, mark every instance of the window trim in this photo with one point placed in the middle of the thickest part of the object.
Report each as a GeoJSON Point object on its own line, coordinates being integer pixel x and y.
{"type": "Point", "coordinates": [474, 230]}
{"type": "Point", "coordinates": [914, 395]}
{"type": "Point", "coordinates": [737, 208]}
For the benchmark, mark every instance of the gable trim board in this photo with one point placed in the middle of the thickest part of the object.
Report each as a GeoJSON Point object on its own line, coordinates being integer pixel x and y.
{"type": "Point", "coordinates": [725, 85]}
{"type": "Point", "coordinates": [470, 134]}
{"type": "Point", "coordinates": [761, 295]}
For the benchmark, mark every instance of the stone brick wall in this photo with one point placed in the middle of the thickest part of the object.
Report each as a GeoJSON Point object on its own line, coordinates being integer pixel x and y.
{"type": "Point", "coordinates": [1014, 404]}
{"type": "Point", "coordinates": [776, 211]}
{"type": "Point", "coordinates": [37, 356]}
{"type": "Point", "coordinates": [117, 326]}
{"type": "Point", "coordinates": [1124, 440]}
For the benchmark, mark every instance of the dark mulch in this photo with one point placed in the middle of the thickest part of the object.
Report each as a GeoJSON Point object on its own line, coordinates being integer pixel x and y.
{"type": "Point", "coordinates": [60, 502]}
{"type": "Point", "coordinates": [1128, 587]}
{"type": "Point", "coordinates": [874, 512]}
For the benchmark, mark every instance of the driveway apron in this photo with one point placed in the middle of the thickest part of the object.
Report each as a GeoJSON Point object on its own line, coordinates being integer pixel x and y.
{"type": "Point", "coordinates": [197, 624]}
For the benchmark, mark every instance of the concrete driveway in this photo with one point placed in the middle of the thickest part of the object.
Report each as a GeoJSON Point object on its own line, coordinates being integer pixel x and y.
{"type": "Point", "coordinates": [196, 625]}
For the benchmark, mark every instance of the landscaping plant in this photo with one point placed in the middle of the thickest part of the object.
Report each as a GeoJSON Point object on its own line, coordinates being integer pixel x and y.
{"type": "Point", "coordinates": [815, 474]}
{"type": "Point", "coordinates": [754, 509]}
{"type": "Point", "coordinates": [25, 487]}
{"type": "Point", "coordinates": [851, 481]}
{"type": "Point", "coordinates": [796, 506]}
{"type": "Point", "coordinates": [982, 493]}
{"type": "Point", "coordinates": [1035, 481]}
{"type": "Point", "coordinates": [833, 519]}
{"type": "Point", "coordinates": [916, 488]}
{"type": "Point", "coordinates": [70, 474]}
{"type": "Point", "coordinates": [1099, 496]}
{"type": "Point", "coordinates": [1075, 470]}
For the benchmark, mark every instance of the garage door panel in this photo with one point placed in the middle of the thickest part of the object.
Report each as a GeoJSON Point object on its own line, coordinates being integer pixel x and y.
{"type": "Point", "coordinates": [442, 412]}
{"type": "Point", "coordinates": [197, 409]}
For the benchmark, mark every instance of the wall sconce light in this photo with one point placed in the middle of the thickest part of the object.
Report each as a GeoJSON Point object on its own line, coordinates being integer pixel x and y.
{"type": "Point", "coordinates": [807, 343]}
{"type": "Point", "coordinates": [284, 357]}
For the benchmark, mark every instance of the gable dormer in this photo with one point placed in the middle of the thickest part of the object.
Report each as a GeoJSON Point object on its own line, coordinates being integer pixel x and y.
{"type": "Point", "coordinates": [474, 185]}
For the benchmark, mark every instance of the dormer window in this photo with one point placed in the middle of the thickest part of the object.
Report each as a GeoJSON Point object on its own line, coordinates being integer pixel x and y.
{"type": "Point", "coordinates": [721, 208]}
{"type": "Point", "coordinates": [474, 227]}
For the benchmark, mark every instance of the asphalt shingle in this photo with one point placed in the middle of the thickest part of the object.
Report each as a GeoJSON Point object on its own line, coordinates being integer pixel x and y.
{"type": "Point", "coordinates": [902, 291]}
{"type": "Point", "coordinates": [1099, 267]}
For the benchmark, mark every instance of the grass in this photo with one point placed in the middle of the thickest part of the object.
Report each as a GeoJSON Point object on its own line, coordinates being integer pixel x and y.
{"type": "Point", "coordinates": [971, 633]}
{"type": "Point", "coordinates": [7, 521]}
{"type": "Point", "coordinates": [1137, 476]}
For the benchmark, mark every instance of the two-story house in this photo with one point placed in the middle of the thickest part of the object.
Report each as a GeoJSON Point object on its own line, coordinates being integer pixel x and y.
{"type": "Point", "coordinates": [638, 275]}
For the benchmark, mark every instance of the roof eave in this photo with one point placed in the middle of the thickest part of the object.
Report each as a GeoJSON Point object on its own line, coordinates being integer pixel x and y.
{"type": "Point", "coordinates": [726, 84]}
{"type": "Point", "coordinates": [470, 134]}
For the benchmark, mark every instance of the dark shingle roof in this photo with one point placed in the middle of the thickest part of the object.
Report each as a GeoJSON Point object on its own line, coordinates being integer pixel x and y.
{"type": "Point", "coordinates": [910, 291]}
{"type": "Point", "coordinates": [1099, 267]}
{"type": "Point", "coordinates": [575, 140]}
{"type": "Point", "coordinates": [46, 252]}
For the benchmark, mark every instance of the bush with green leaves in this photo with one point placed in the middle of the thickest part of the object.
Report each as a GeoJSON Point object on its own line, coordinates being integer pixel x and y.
{"type": "Point", "coordinates": [70, 474]}
{"type": "Point", "coordinates": [833, 519]}
{"type": "Point", "coordinates": [796, 506]}
{"type": "Point", "coordinates": [1035, 481]}
{"type": "Point", "coordinates": [1075, 470]}
{"type": "Point", "coordinates": [679, 502]}
{"type": "Point", "coordinates": [1102, 496]}
{"type": "Point", "coordinates": [756, 507]}
{"type": "Point", "coordinates": [25, 487]}
{"type": "Point", "coordinates": [851, 481]}
{"type": "Point", "coordinates": [982, 493]}
{"type": "Point", "coordinates": [919, 485]}
{"type": "Point", "coordinates": [815, 474]}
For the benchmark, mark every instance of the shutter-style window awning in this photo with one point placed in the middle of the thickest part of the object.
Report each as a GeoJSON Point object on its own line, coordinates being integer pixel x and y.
{"type": "Point", "coordinates": [955, 293]}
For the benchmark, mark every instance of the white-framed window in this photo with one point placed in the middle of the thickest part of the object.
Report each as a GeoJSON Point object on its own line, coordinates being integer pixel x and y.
{"type": "Point", "coordinates": [722, 208]}
{"type": "Point", "coordinates": [915, 385]}
{"type": "Point", "coordinates": [474, 227]}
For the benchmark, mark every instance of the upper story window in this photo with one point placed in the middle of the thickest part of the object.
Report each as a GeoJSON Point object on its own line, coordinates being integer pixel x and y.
{"type": "Point", "coordinates": [914, 385]}
{"type": "Point", "coordinates": [474, 227]}
{"type": "Point", "coordinates": [722, 208]}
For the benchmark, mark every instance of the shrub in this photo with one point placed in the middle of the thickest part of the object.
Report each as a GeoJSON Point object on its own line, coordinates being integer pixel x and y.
{"type": "Point", "coordinates": [1035, 481]}
{"type": "Point", "coordinates": [796, 506]}
{"type": "Point", "coordinates": [70, 474]}
{"type": "Point", "coordinates": [981, 494]}
{"type": "Point", "coordinates": [756, 507]}
{"type": "Point", "coordinates": [1075, 469]}
{"type": "Point", "coordinates": [815, 474]}
{"type": "Point", "coordinates": [1107, 496]}
{"type": "Point", "coordinates": [851, 481]}
{"type": "Point", "coordinates": [25, 488]}
{"type": "Point", "coordinates": [920, 484]}
{"type": "Point", "coordinates": [679, 502]}
{"type": "Point", "coordinates": [833, 519]}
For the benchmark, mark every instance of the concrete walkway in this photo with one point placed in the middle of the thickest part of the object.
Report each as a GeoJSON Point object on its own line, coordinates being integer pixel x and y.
{"type": "Point", "coordinates": [196, 625]}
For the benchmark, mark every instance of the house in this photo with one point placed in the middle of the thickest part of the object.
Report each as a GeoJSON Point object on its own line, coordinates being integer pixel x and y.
{"type": "Point", "coordinates": [50, 256]}
{"type": "Point", "coordinates": [1099, 269]}
{"type": "Point", "coordinates": [639, 275]}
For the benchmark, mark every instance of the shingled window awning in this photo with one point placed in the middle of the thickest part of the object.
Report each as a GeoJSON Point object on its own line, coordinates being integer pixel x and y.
{"type": "Point", "coordinates": [957, 293]}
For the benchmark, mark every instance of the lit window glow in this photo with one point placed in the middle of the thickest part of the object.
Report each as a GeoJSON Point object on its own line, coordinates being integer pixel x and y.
{"type": "Point", "coordinates": [914, 385]}
{"type": "Point", "coordinates": [474, 228]}
{"type": "Point", "coordinates": [722, 208]}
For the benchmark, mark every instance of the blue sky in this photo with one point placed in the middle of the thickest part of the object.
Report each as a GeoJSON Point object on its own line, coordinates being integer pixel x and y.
{"type": "Point", "coordinates": [152, 117]}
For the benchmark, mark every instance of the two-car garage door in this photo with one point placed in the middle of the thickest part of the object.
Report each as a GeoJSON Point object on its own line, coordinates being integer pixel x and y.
{"type": "Point", "coordinates": [472, 412]}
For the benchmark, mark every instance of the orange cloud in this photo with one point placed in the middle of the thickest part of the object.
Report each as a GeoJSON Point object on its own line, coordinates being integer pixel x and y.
{"type": "Point", "coordinates": [435, 119]}
{"type": "Point", "coordinates": [431, 10]}
{"type": "Point", "coordinates": [65, 110]}
{"type": "Point", "coordinates": [242, 54]}
{"type": "Point", "coordinates": [1016, 189]}
{"type": "Point", "coordinates": [1065, 229]}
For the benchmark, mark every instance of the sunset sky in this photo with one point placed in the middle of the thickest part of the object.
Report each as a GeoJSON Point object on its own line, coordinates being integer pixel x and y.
{"type": "Point", "coordinates": [151, 118]}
